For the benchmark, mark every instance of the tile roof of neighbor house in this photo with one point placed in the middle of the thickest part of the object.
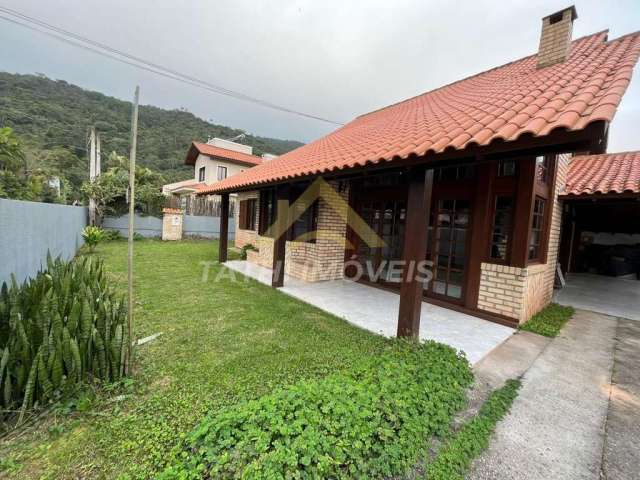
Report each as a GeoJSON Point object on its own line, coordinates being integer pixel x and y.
{"type": "Point", "coordinates": [224, 153]}
{"type": "Point", "coordinates": [499, 104]}
{"type": "Point", "coordinates": [604, 174]}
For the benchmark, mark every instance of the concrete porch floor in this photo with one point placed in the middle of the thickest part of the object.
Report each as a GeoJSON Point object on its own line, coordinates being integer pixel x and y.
{"type": "Point", "coordinates": [376, 310]}
{"type": "Point", "coordinates": [618, 297]}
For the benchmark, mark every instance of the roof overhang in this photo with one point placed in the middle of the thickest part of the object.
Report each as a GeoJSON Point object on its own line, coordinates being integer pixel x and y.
{"type": "Point", "coordinates": [194, 151]}
{"type": "Point", "coordinates": [591, 138]}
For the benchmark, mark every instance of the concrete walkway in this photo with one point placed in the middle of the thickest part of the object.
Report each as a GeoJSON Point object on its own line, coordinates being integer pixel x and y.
{"type": "Point", "coordinates": [376, 310]}
{"type": "Point", "coordinates": [556, 427]}
{"type": "Point", "coordinates": [618, 297]}
{"type": "Point", "coordinates": [621, 457]}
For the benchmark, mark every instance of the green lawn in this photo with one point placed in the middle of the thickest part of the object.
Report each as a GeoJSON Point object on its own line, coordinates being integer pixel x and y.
{"type": "Point", "coordinates": [222, 342]}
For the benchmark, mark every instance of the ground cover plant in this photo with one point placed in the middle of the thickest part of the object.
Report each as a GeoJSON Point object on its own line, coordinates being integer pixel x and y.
{"type": "Point", "coordinates": [58, 329]}
{"type": "Point", "coordinates": [456, 454]}
{"type": "Point", "coordinates": [549, 321]}
{"type": "Point", "coordinates": [373, 420]}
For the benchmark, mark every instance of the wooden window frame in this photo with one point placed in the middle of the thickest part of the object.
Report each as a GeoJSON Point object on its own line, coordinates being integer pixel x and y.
{"type": "Point", "coordinates": [541, 229]}
{"type": "Point", "coordinates": [202, 174]}
{"type": "Point", "coordinates": [247, 214]}
{"type": "Point", "coordinates": [222, 168]}
{"type": "Point", "coordinates": [311, 213]}
{"type": "Point", "coordinates": [268, 210]}
{"type": "Point", "coordinates": [494, 203]}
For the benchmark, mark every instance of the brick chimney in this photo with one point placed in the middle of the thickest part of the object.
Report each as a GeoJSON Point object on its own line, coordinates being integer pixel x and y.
{"type": "Point", "coordinates": [555, 38]}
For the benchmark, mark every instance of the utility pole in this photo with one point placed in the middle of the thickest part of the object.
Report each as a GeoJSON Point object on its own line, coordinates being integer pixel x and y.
{"type": "Point", "coordinates": [98, 156]}
{"type": "Point", "coordinates": [92, 173]}
{"type": "Point", "coordinates": [132, 203]}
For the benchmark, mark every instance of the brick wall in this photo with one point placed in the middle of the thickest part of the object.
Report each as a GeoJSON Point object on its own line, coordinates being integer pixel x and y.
{"type": "Point", "coordinates": [555, 40]}
{"type": "Point", "coordinates": [324, 259]}
{"type": "Point", "coordinates": [245, 237]}
{"type": "Point", "coordinates": [519, 293]}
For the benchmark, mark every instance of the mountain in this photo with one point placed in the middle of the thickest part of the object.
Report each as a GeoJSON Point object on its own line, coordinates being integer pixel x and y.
{"type": "Point", "coordinates": [47, 114]}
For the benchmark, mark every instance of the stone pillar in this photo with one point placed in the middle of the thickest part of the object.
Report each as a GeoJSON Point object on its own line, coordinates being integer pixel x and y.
{"type": "Point", "coordinates": [172, 223]}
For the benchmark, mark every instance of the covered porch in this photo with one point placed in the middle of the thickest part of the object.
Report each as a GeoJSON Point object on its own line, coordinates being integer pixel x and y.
{"type": "Point", "coordinates": [376, 310]}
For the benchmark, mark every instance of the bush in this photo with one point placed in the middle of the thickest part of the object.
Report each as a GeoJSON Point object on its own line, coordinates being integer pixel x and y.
{"type": "Point", "coordinates": [111, 235]}
{"type": "Point", "coordinates": [456, 455]}
{"type": "Point", "coordinates": [92, 236]}
{"type": "Point", "coordinates": [549, 321]}
{"type": "Point", "coordinates": [60, 328]}
{"type": "Point", "coordinates": [245, 249]}
{"type": "Point", "coordinates": [373, 420]}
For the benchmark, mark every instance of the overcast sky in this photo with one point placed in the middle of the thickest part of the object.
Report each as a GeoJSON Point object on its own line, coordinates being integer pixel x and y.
{"type": "Point", "coordinates": [332, 58]}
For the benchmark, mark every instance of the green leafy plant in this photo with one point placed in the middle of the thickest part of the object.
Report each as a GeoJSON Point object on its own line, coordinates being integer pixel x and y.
{"type": "Point", "coordinates": [549, 321]}
{"type": "Point", "coordinates": [92, 236]}
{"type": "Point", "coordinates": [111, 235]}
{"type": "Point", "coordinates": [457, 453]}
{"type": "Point", "coordinates": [245, 249]}
{"type": "Point", "coordinates": [61, 328]}
{"type": "Point", "coordinates": [371, 421]}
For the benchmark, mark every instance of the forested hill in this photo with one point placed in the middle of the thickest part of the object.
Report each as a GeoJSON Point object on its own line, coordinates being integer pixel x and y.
{"type": "Point", "coordinates": [47, 114]}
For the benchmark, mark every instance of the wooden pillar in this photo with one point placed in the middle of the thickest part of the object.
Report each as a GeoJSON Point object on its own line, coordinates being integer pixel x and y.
{"type": "Point", "coordinates": [280, 235]}
{"type": "Point", "coordinates": [224, 228]}
{"type": "Point", "coordinates": [415, 250]}
{"type": "Point", "coordinates": [482, 208]}
{"type": "Point", "coordinates": [522, 213]}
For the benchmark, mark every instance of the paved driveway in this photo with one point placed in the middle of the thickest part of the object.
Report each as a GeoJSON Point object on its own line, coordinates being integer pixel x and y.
{"type": "Point", "coordinates": [556, 426]}
{"type": "Point", "coordinates": [609, 295]}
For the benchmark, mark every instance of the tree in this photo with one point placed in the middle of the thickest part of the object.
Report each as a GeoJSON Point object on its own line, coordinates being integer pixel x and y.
{"type": "Point", "coordinates": [109, 190]}
{"type": "Point", "coordinates": [11, 154]}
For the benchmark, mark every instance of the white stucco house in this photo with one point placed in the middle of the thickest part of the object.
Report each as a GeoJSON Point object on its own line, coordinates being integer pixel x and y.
{"type": "Point", "coordinates": [214, 161]}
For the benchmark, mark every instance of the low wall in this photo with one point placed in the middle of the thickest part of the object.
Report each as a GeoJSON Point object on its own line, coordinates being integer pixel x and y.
{"type": "Point", "coordinates": [150, 227]}
{"type": "Point", "coordinates": [28, 230]}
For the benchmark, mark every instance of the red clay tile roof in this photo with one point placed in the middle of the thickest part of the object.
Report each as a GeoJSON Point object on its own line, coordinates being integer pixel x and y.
{"type": "Point", "coordinates": [608, 173]}
{"type": "Point", "coordinates": [213, 151]}
{"type": "Point", "coordinates": [499, 104]}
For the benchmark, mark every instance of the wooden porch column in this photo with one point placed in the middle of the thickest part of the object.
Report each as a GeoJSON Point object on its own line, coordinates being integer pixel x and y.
{"type": "Point", "coordinates": [280, 235]}
{"type": "Point", "coordinates": [415, 250]}
{"type": "Point", "coordinates": [224, 228]}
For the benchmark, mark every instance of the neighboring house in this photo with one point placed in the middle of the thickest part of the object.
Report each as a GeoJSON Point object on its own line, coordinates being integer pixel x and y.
{"type": "Point", "coordinates": [213, 162]}
{"type": "Point", "coordinates": [475, 176]}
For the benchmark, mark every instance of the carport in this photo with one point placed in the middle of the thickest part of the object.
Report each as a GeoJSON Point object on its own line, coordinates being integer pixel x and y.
{"type": "Point", "coordinates": [599, 251]}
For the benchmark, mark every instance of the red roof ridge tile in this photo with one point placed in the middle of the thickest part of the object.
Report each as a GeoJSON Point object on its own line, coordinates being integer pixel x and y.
{"type": "Point", "coordinates": [502, 104]}
{"type": "Point", "coordinates": [512, 62]}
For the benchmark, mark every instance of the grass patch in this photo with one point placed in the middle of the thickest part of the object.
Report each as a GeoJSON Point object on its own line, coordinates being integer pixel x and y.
{"type": "Point", "coordinates": [457, 453]}
{"type": "Point", "coordinates": [224, 342]}
{"type": "Point", "coordinates": [371, 421]}
{"type": "Point", "coordinates": [549, 321]}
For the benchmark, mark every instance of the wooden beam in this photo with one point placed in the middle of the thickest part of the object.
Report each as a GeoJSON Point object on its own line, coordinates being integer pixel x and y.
{"type": "Point", "coordinates": [415, 250]}
{"type": "Point", "coordinates": [522, 213]}
{"type": "Point", "coordinates": [482, 210]}
{"type": "Point", "coordinates": [280, 236]}
{"type": "Point", "coordinates": [224, 228]}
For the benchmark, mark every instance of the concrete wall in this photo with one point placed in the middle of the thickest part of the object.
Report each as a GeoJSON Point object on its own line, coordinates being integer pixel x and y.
{"type": "Point", "coordinates": [152, 226]}
{"type": "Point", "coordinates": [28, 230]}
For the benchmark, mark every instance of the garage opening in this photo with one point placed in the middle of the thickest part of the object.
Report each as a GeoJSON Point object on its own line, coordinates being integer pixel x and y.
{"type": "Point", "coordinates": [599, 251]}
{"type": "Point", "coordinates": [601, 237]}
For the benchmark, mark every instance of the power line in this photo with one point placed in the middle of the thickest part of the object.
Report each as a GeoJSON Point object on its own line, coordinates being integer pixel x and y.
{"type": "Point", "coordinates": [138, 62]}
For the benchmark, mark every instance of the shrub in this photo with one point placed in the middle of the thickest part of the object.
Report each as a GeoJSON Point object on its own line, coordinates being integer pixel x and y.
{"type": "Point", "coordinates": [373, 420]}
{"type": "Point", "coordinates": [245, 249]}
{"type": "Point", "coordinates": [111, 235]}
{"type": "Point", "coordinates": [456, 455]}
{"type": "Point", "coordinates": [58, 329]}
{"type": "Point", "coordinates": [92, 236]}
{"type": "Point", "coordinates": [549, 321]}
